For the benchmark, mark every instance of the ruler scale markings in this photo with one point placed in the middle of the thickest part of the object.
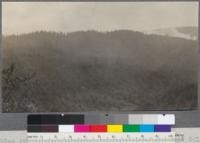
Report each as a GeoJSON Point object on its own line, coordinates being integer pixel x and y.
{"type": "Point", "coordinates": [113, 137]}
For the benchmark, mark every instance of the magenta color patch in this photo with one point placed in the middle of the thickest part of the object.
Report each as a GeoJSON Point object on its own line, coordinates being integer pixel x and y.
{"type": "Point", "coordinates": [82, 128]}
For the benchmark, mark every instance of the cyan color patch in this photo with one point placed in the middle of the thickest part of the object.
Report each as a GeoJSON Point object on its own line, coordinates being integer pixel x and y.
{"type": "Point", "coordinates": [146, 128]}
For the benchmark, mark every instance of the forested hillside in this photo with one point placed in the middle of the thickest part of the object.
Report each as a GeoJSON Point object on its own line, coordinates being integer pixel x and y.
{"type": "Point", "coordinates": [98, 71]}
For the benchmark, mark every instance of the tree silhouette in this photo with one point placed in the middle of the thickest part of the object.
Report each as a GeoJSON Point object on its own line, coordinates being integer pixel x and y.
{"type": "Point", "coordinates": [10, 83]}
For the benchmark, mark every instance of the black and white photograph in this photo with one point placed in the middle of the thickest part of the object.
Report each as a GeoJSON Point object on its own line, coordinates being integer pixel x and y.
{"type": "Point", "coordinates": [99, 56]}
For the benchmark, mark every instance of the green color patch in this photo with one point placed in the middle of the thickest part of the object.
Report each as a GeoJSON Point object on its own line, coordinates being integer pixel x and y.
{"type": "Point", "coordinates": [131, 128]}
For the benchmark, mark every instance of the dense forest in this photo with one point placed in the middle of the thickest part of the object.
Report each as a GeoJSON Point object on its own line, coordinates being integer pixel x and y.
{"type": "Point", "coordinates": [119, 70]}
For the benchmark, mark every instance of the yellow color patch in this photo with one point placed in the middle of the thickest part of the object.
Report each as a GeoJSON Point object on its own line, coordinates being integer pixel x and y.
{"type": "Point", "coordinates": [114, 128]}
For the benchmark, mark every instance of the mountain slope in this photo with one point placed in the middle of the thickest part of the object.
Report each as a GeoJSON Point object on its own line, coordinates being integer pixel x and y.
{"type": "Point", "coordinates": [94, 71]}
{"type": "Point", "coordinates": [190, 33]}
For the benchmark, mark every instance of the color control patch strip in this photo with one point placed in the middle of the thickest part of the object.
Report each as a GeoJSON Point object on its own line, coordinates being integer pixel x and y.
{"type": "Point", "coordinates": [114, 128]}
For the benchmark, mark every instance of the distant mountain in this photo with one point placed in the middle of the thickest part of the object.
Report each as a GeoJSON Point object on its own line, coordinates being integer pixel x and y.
{"type": "Point", "coordinates": [95, 71]}
{"type": "Point", "coordinates": [190, 33]}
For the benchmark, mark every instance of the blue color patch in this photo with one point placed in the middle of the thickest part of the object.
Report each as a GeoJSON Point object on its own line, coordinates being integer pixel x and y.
{"type": "Point", "coordinates": [146, 128]}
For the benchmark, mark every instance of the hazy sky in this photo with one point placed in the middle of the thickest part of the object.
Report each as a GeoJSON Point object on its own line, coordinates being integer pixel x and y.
{"type": "Point", "coordinates": [23, 17]}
